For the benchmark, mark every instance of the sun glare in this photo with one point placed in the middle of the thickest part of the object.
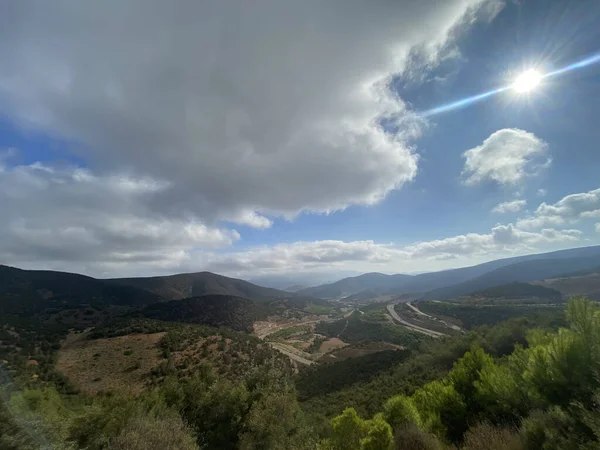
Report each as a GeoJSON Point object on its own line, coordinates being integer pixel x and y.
{"type": "Point", "coordinates": [527, 81]}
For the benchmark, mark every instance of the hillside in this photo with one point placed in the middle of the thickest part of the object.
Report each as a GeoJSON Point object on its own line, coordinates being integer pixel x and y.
{"type": "Point", "coordinates": [132, 355]}
{"type": "Point", "coordinates": [399, 284]}
{"type": "Point", "coordinates": [518, 290]}
{"type": "Point", "coordinates": [216, 310]}
{"type": "Point", "coordinates": [354, 285]}
{"type": "Point", "coordinates": [33, 292]}
{"type": "Point", "coordinates": [524, 271]}
{"type": "Point", "coordinates": [588, 285]}
{"type": "Point", "coordinates": [176, 287]}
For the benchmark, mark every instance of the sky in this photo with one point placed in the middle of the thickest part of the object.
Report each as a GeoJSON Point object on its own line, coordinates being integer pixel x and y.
{"type": "Point", "coordinates": [295, 139]}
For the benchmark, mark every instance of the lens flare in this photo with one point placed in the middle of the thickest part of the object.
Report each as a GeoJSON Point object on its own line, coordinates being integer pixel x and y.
{"type": "Point", "coordinates": [527, 81]}
{"type": "Point", "coordinates": [524, 83]}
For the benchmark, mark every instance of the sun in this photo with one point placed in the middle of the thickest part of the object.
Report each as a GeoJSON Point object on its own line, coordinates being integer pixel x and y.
{"type": "Point", "coordinates": [527, 81]}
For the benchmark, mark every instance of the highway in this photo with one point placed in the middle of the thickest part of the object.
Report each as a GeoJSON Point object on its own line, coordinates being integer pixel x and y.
{"type": "Point", "coordinates": [392, 312]}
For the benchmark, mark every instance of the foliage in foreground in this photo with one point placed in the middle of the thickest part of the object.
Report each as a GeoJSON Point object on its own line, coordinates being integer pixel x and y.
{"type": "Point", "coordinates": [549, 392]}
{"type": "Point", "coordinates": [543, 396]}
{"type": "Point", "coordinates": [258, 411]}
{"type": "Point", "coordinates": [325, 390]}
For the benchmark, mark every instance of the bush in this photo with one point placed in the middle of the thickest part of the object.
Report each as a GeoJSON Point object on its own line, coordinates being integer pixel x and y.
{"type": "Point", "coordinates": [400, 411]}
{"type": "Point", "coordinates": [487, 437]}
{"type": "Point", "coordinates": [145, 432]}
{"type": "Point", "coordinates": [379, 436]}
{"type": "Point", "coordinates": [411, 438]}
{"type": "Point", "coordinates": [548, 430]}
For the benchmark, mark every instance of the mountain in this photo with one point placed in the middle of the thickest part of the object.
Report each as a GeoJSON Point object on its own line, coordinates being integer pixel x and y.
{"type": "Point", "coordinates": [216, 310]}
{"type": "Point", "coordinates": [294, 288]}
{"type": "Point", "coordinates": [353, 285]}
{"type": "Point", "coordinates": [587, 284]}
{"type": "Point", "coordinates": [361, 296]}
{"type": "Point", "coordinates": [33, 292]}
{"type": "Point", "coordinates": [304, 279]}
{"type": "Point", "coordinates": [399, 284]}
{"type": "Point", "coordinates": [519, 290]}
{"type": "Point", "coordinates": [524, 271]}
{"type": "Point", "coordinates": [177, 287]}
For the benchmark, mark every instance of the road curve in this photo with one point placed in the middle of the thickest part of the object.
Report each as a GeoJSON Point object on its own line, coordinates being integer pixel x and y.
{"type": "Point", "coordinates": [291, 355]}
{"type": "Point", "coordinates": [449, 325]}
{"type": "Point", "coordinates": [394, 314]}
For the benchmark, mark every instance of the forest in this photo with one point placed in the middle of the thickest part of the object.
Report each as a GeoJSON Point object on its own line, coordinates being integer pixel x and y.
{"type": "Point", "coordinates": [527, 383]}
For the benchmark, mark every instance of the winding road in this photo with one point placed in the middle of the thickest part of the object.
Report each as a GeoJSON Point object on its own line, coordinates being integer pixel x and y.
{"type": "Point", "coordinates": [449, 325]}
{"type": "Point", "coordinates": [394, 314]}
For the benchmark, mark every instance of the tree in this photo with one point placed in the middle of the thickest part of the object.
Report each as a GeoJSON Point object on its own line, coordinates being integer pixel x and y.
{"type": "Point", "coordinates": [400, 411]}
{"type": "Point", "coordinates": [348, 429]}
{"type": "Point", "coordinates": [442, 409]}
{"type": "Point", "coordinates": [275, 422]}
{"type": "Point", "coordinates": [502, 391]}
{"type": "Point", "coordinates": [379, 436]}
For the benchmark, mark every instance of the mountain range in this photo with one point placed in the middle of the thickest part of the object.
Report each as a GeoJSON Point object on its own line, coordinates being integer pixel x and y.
{"type": "Point", "coordinates": [184, 285]}
{"type": "Point", "coordinates": [43, 294]}
{"type": "Point", "coordinates": [204, 297]}
{"type": "Point", "coordinates": [448, 283]}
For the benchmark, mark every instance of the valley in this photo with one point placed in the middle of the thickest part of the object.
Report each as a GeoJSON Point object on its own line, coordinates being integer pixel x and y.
{"type": "Point", "coordinates": [72, 336]}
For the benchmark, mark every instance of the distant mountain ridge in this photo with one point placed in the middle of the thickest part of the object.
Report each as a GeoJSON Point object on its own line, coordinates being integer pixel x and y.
{"type": "Point", "coordinates": [523, 271]}
{"type": "Point", "coordinates": [517, 290]}
{"type": "Point", "coordinates": [433, 284]}
{"type": "Point", "coordinates": [184, 285]}
{"type": "Point", "coordinates": [32, 292]}
{"type": "Point", "coordinates": [204, 297]}
{"type": "Point", "coordinates": [353, 285]}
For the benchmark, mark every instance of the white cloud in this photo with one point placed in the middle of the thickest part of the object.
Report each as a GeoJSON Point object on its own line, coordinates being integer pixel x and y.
{"type": "Point", "coordinates": [245, 108]}
{"type": "Point", "coordinates": [299, 257]}
{"type": "Point", "coordinates": [569, 209]}
{"type": "Point", "coordinates": [501, 238]}
{"type": "Point", "coordinates": [598, 227]}
{"type": "Point", "coordinates": [191, 114]}
{"type": "Point", "coordinates": [69, 218]}
{"type": "Point", "coordinates": [594, 214]}
{"type": "Point", "coordinates": [506, 157]}
{"type": "Point", "coordinates": [542, 192]}
{"type": "Point", "coordinates": [509, 207]}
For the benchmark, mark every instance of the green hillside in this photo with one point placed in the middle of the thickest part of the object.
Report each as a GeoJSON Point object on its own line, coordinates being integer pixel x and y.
{"type": "Point", "coordinates": [176, 287]}
{"type": "Point", "coordinates": [217, 310]}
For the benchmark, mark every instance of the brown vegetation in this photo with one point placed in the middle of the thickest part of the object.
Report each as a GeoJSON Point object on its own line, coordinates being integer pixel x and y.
{"type": "Point", "coordinates": [331, 344]}
{"type": "Point", "coordinates": [115, 364]}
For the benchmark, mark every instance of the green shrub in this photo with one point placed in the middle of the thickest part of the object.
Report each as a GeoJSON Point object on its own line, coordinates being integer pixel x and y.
{"type": "Point", "coordinates": [400, 411]}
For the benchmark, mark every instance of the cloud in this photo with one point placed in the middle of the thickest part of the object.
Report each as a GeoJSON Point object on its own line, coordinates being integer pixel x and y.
{"type": "Point", "coordinates": [509, 207]}
{"type": "Point", "coordinates": [501, 238]}
{"type": "Point", "coordinates": [248, 109]}
{"type": "Point", "coordinates": [303, 256]}
{"type": "Point", "coordinates": [541, 192]}
{"type": "Point", "coordinates": [569, 209]}
{"type": "Point", "coordinates": [506, 157]}
{"type": "Point", "coordinates": [598, 227]}
{"type": "Point", "coordinates": [69, 218]}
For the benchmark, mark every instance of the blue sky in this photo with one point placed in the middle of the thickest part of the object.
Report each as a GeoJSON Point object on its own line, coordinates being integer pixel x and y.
{"type": "Point", "coordinates": [249, 144]}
